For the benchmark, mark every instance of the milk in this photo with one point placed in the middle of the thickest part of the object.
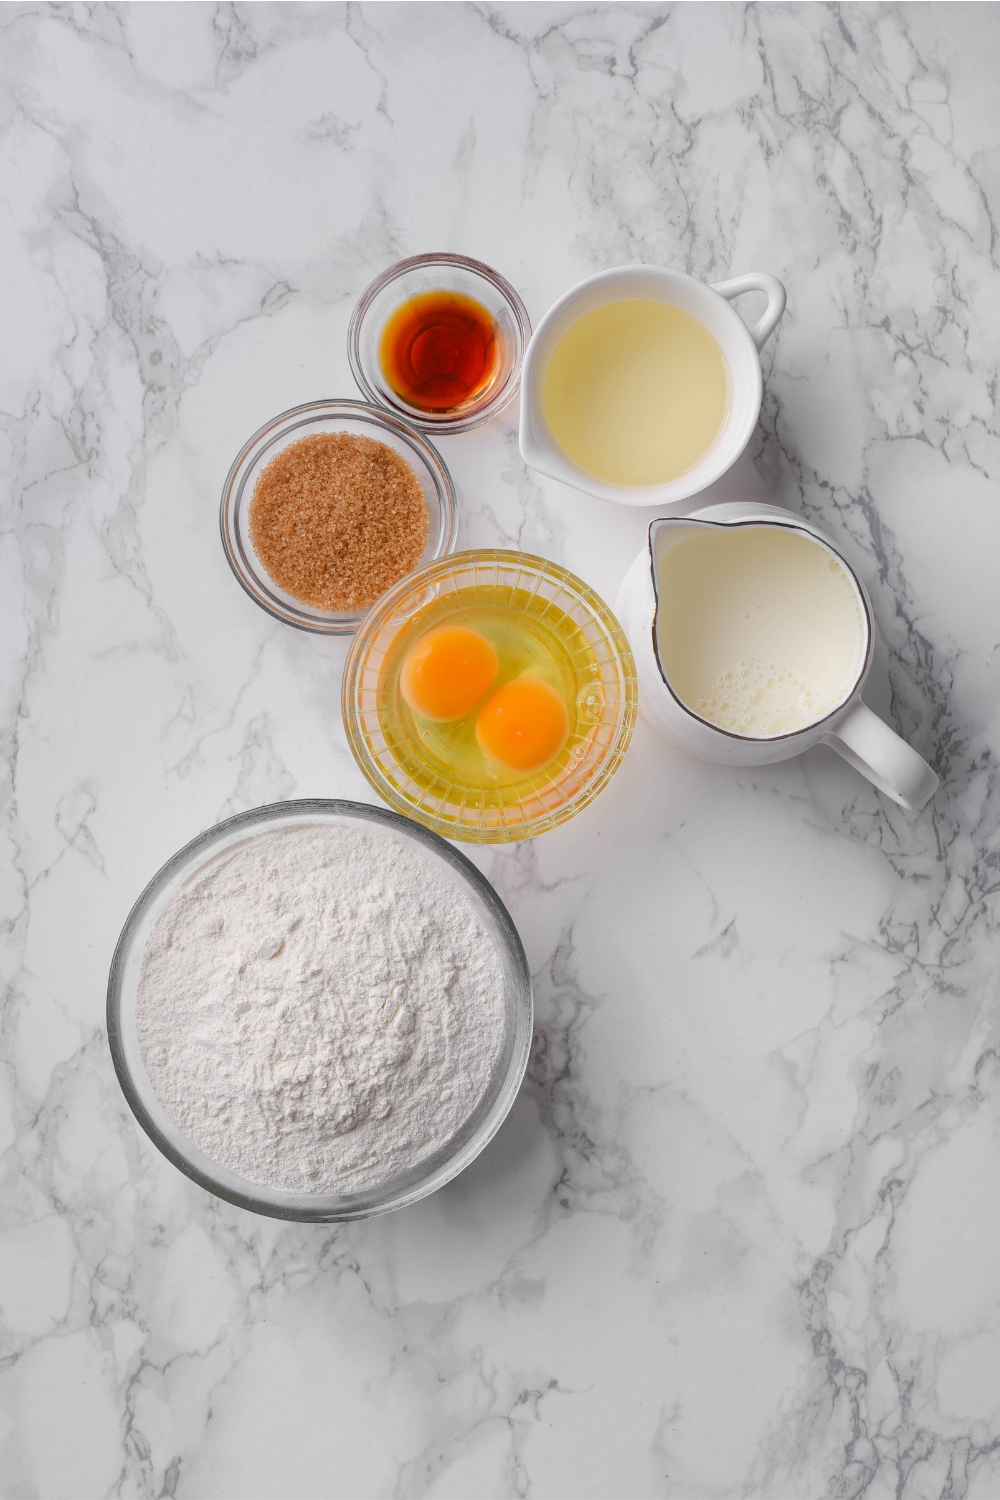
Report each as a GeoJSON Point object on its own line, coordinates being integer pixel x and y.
{"type": "Point", "coordinates": [760, 629]}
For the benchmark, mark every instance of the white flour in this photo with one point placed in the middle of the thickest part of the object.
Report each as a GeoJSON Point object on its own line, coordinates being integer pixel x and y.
{"type": "Point", "coordinates": [320, 1008]}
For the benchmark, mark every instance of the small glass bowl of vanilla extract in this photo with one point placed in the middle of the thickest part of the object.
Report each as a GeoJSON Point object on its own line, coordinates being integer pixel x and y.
{"type": "Point", "coordinates": [440, 339]}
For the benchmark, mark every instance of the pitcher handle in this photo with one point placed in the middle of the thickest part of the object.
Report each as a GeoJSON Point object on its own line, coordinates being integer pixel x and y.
{"type": "Point", "coordinates": [757, 281]}
{"type": "Point", "coordinates": [872, 748]}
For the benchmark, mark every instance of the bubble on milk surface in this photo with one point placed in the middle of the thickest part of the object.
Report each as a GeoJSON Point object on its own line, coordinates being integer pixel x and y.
{"type": "Point", "coordinates": [760, 699]}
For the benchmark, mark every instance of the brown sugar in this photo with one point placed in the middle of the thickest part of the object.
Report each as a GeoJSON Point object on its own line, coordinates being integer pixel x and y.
{"type": "Point", "coordinates": [337, 519]}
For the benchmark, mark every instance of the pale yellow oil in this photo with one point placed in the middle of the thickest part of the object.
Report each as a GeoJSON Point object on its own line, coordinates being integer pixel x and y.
{"type": "Point", "coordinates": [532, 638]}
{"type": "Point", "coordinates": [636, 392]}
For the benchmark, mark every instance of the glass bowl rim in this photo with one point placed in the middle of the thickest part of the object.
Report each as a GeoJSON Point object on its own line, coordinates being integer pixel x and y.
{"type": "Point", "coordinates": [330, 408]}
{"type": "Point", "coordinates": [417, 580]}
{"type": "Point", "coordinates": [508, 391]}
{"type": "Point", "coordinates": [197, 852]}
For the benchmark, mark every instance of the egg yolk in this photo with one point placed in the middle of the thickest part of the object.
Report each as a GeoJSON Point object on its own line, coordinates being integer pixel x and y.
{"type": "Point", "coordinates": [446, 672]}
{"type": "Point", "coordinates": [524, 725]}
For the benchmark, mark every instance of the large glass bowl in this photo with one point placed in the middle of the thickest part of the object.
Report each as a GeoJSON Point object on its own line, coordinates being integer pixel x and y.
{"type": "Point", "coordinates": [303, 421]}
{"type": "Point", "coordinates": [393, 757]}
{"type": "Point", "coordinates": [439, 273]}
{"type": "Point", "coordinates": [408, 1187]}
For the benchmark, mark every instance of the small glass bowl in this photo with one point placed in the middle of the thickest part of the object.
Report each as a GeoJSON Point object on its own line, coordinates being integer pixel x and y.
{"type": "Point", "coordinates": [324, 1208]}
{"type": "Point", "coordinates": [302, 421]}
{"type": "Point", "coordinates": [438, 273]}
{"type": "Point", "coordinates": [602, 718]}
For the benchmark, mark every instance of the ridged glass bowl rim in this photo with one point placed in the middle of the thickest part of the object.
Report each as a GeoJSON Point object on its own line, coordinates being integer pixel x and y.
{"type": "Point", "coordinates": [328, 409]}
{"type": "Point", "coordinates": [417, 582]}
{"type": "Point", "coordinates": [328, 1208]}
{"type": "Point", "coordinates": [445, 423]}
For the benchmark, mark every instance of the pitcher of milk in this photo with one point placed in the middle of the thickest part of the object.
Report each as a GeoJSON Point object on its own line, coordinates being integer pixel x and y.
{"type": "Point", "coordinates": [752, 639]}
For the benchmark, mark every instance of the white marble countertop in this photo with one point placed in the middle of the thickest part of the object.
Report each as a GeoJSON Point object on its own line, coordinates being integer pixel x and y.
{"type": "Point", "coordinates": [739, 1234]}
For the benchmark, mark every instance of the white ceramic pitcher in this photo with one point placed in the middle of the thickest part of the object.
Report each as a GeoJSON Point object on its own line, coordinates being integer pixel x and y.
{"type": "Point", "coordinates": [851, 729]}
{"type": "Point", "coordinates": [740, 345]}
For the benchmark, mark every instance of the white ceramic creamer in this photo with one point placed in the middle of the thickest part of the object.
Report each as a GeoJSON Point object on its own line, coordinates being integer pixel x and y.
{"type": "Point", "coordinates": [849, 726]}
{"type": "Point", "coordinates": [710, 305]}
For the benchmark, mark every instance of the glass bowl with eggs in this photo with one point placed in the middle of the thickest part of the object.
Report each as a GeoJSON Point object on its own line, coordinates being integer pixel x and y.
{"type": "Point", "coordinates": [491, 696]}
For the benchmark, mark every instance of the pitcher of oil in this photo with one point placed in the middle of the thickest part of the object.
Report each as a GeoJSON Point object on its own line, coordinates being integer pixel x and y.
{"type": "Point", "coordinates": [752, 638]}
{"type": "Point", "coordinates": [642, 385]}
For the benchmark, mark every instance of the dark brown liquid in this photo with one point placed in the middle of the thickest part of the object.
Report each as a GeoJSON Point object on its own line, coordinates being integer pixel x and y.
{"type": "Point", "coordinates": [439, 350]}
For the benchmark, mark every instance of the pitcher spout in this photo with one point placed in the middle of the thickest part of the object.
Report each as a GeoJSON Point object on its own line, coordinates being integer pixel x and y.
{"type": "Point", "coordinates": [664, 534]}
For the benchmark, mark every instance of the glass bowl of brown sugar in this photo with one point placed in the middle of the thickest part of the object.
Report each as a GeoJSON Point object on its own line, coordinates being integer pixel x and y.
{"type": "Point", "coordinates": [330, 505]}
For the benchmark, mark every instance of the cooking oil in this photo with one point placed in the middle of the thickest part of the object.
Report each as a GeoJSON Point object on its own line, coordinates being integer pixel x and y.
{"type": "Point", "coordinates": [636, 391]}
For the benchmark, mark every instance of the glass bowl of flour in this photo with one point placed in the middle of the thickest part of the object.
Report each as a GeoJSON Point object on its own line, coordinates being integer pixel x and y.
{"type": "Point", "coordinates": [319, 1011]}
